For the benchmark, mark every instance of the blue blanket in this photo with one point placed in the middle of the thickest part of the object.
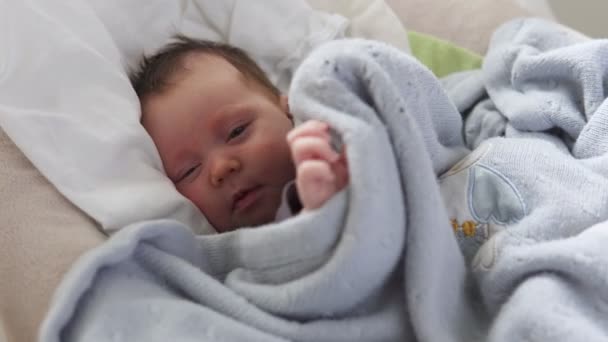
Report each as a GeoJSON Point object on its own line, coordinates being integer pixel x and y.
{"type": "Point", "coordinates": [506, 245]}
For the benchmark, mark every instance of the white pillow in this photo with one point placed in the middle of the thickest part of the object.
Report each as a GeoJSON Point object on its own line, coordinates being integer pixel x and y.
{"type": "Point", "coordinates": [66, 101]}
{"type": "Point", "coordinates": [371, 19]}
{"type": "Point", "coordinates": [278, 34]}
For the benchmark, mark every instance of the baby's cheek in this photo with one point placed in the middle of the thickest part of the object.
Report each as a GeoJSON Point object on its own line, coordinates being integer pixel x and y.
{"type": "Point", "coordinates": [276, 157]}
{"type": "Point", "coordinates": [191, 193]}
{"type": "Point", "coordinates": [215, 211]}
{"type": "Point", "coordinates": [201, 198]}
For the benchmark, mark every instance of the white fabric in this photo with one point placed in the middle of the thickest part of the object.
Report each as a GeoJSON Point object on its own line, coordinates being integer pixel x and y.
{"type": "Point", "coordinates": [371, 19]}
{"type": "Point", "coordinates": [66, 101]}
{"type": "Point", "coordinates": [277, 33]}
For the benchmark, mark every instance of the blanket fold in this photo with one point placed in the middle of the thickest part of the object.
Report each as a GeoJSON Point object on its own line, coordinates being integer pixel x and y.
{"type": "Point", "coordinates": [381, 260]}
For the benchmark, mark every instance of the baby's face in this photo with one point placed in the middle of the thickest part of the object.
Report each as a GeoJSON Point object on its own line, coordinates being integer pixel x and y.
{"type": "Point", "coordinates": [222, 141]}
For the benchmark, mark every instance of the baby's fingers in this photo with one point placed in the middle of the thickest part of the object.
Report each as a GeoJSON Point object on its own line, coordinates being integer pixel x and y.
{"type": "Point", "coordinates": [315, 182]}
{"type": "Point", "coordinates": [308, 148]}
{"type": "Point", "coordinates": [340, 170]}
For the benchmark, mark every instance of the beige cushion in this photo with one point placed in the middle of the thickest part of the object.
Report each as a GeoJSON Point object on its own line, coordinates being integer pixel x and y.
{"type": "Point", "coordinates": [41, 235]}
{"type": "Point", "coordinates": [466, 23]}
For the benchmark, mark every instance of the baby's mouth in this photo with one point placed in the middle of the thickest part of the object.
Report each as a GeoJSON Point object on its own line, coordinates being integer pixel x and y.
{"type": "Point", "coordinates": [244, 199]}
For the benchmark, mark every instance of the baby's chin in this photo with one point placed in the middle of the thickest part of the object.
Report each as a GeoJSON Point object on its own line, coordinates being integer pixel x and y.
{"type": "Point", "coordinates": [262, 213]}
{"type": "Point", "coordinates": [257, 216]}
{"type": "Point", "coordinates": [257, 219]}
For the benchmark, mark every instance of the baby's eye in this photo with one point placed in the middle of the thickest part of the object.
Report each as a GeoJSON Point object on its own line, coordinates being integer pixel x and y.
{"type": "Point", "coordinates": [188, 173]}
{"type": "Point", "coordinates": [237, 131]}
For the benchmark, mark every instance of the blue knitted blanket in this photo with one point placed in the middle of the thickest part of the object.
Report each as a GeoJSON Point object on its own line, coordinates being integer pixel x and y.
{"type": "Point", "coordinates": [474, 213]}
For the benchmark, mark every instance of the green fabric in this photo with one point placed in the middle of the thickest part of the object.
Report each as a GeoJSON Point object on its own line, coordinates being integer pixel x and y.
{"type": "Point", "coordinates": [441, 56]}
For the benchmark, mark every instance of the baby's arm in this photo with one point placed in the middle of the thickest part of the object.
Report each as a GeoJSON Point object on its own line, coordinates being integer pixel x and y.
{"type": "Point", "coordinates": [320, 170]}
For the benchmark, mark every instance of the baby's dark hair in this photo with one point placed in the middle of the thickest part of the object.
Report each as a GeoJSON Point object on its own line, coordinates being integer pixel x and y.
{"type": "Point", "coordinates": [154, 73]}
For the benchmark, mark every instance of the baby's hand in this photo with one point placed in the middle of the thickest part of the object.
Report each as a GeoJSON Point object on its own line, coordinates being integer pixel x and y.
{"type": "Point", "coordinates": [320, 170]}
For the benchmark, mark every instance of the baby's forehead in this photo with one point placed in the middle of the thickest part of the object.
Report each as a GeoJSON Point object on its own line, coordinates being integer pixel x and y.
{"type": "Point", "coordinates": [196, 70]}
{"type": "Point", "coordinates": [209, 62]}
{"type": "Point", "coordinates": [216, 66]}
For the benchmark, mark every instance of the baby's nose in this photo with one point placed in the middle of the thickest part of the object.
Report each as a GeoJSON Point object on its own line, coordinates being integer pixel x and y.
{"type": "Point", "coordinates": [222, 169]}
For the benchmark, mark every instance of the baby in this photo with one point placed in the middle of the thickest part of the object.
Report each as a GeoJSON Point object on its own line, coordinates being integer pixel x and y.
{"type": "Point", "coordinates": [226, 137]}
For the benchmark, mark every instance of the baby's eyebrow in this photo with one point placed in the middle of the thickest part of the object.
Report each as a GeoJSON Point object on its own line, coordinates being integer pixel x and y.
{"type": "Point", "coordinates": [229, 111]}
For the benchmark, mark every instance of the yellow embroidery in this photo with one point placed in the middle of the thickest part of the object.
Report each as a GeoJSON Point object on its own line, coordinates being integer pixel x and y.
{"type": "Point", "coordinates": [455, 225]}
{"type": "Point", "coordinates": [469, 228]}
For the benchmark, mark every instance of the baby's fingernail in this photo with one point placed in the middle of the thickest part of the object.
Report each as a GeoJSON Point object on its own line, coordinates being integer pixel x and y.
{"type": "Point", "coordinates": [322, 125]}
